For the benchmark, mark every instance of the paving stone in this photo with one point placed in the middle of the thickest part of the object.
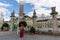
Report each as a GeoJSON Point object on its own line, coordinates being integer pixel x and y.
{"type": "Point", "coordinates": [14, 36]}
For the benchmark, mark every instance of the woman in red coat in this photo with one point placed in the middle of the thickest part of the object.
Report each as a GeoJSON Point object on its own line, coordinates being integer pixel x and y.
{"type": "Point", "coordinates": [22, 33]}
{"type": "Point", "coordinates": [21, 30]}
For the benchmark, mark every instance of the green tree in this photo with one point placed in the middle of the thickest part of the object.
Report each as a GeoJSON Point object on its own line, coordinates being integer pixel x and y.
{"type": "Point", "coordinates": [32, 30]}
{"type": "Point", "coordinates": [5, 25]}
{"type": "Point", "coordinates": [23, 22]}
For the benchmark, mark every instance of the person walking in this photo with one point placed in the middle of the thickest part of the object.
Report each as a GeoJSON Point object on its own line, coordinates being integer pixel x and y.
{"type": "Point", "coordinates": [21, 31]}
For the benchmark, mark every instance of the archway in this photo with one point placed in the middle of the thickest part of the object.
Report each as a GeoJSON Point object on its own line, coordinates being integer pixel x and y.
{"type": "Point", "coordinates": [23, 22]}
{"type": "Point", "coordinates": [5, 27]}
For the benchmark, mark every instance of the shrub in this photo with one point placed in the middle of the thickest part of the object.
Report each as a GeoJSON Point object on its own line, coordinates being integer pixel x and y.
{"type": "Point", "coordinates": [32, 30]}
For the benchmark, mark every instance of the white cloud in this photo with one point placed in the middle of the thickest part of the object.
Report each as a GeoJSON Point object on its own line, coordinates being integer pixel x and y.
{"type": "Point", "coordinates": [47, 3]}
{"type": "Point", "coordinates": [5, 5]}
{"type": "Point", "coordinates": [17, 1]}
{"type": "Point", "coordinates": [7, 19]}
{"type": "Point", "coordinates": [6, 13]}
{"type": "Point", "coordinates": [30, 14]}
{"type": "Point", "coordinates": [16, 15]}
{"type": "Point", "coordinates": [4, 10]}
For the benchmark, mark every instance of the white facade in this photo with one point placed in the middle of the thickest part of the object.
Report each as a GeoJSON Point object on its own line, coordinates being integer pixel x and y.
{"type": "Point", "coordinates": [1, 19]}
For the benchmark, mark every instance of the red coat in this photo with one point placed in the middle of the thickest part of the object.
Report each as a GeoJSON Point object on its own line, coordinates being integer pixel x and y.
{"type": "Point", "coordinates": [21, 33]}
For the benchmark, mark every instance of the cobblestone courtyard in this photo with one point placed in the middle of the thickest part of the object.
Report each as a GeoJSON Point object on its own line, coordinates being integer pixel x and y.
{"type": "Point", "coordinates": [14, 36]}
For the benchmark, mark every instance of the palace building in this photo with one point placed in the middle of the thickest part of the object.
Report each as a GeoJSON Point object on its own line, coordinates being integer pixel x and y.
{"type": "Point", "coordinates": [51, 22]}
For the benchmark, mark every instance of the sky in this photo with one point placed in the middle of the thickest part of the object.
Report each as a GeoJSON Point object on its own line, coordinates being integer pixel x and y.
{"type": "Point", "coordinates": [40, 6]}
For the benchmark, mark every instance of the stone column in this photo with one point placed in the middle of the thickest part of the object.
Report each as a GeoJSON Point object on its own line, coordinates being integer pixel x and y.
{"type": "Point", "coordinates": [12, 17]}
{"type": "Point", "coordinates": [54, 20]}
{"type": "Point", "coordinates": [21, 10]}
{"type": "Point", "coordinates": [34, 22]}
{"type": "Point", "coordinates": [34, 19]}
{"type": "Point", "coordinates": [11, 25]}
{"type": "Point", "coordinates": [21, 13]}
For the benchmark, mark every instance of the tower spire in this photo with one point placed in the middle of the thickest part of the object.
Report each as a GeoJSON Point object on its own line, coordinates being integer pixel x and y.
{"type": "Point", "coordinates": [34, 14]}
{"type": "Point", "coordinates": [53, 9]}
{"type": "Point", "coordinates": [13, 14]}
{"type": "Point", "coordinates": [21, 9]}
{"type": "Point", "coordinates": [54, 20]}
